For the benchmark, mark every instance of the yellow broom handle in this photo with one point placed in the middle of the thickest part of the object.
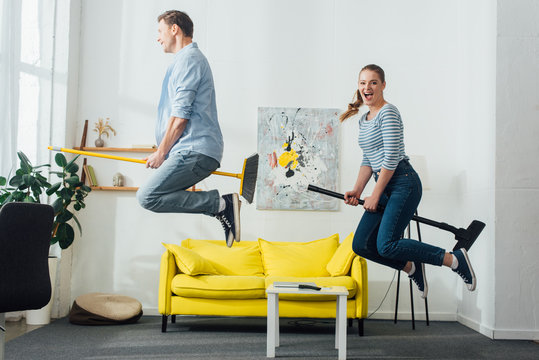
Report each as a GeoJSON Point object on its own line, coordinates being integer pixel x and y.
{"type": "Point", "coordinates": [114, 157]}
{"type": "Point", "coordinates": [88, 153]}
{"type": "Point", "coordinates": [227, 174]}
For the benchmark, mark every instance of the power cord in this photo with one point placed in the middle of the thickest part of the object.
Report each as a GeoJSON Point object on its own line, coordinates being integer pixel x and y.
{"type": "Point", "coordinates": [387, 292]}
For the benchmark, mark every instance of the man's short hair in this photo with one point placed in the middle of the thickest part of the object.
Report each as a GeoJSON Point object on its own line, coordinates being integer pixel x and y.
{"type": "Point", "coordinates": [179, 18]}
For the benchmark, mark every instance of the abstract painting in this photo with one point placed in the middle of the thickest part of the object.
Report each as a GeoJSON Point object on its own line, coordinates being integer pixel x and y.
{"type": "Point", "coordinates": [297, 147]}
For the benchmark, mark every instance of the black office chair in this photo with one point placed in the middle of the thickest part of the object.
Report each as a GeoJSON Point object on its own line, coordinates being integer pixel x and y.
{"type": "Point", "coordinates": [25, 232]}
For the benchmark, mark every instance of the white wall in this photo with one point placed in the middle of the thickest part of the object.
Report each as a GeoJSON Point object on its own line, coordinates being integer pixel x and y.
{"type": "Point", "coordinates": [297, 54]}
{"type": "Point", "coordinates": [474, 92]}
{"type": "Point", "coordinates": [517, 187]}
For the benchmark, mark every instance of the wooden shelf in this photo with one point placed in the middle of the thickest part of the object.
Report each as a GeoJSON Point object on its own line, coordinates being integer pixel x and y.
{"type": "Point", "coordinates": [111, 149]}
{"type": "Point", "coordinates": [115, 188]}
{"type": "Point", "coordinates": [126, 188]}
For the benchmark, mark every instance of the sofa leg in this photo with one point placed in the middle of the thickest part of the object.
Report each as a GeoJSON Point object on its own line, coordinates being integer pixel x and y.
{"type": "Point", "coordinates": [350, 322]}
{"type": "Point", "coordinates": [360, 327]}
{"type": "Point", "coordinates": [164, 320]}
{"type": "Point", "coordinates": [173, 319]}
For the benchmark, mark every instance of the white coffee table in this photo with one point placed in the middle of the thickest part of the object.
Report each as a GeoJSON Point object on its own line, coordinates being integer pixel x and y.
{"type": "Point", "coordinates": [273, 315]}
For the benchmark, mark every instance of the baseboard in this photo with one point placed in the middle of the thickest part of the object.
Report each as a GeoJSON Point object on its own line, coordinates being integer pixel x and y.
{"type": "Point", "coordinates": [151, 311]}
{"type": "Point", "coordinates": [499, 334]}
{"type": "Point", "coordinates": [474, 325]}
{"type": "Point", "coordinates": [406, 315]}
{"type": "Point", "coordinates": [380, 315]}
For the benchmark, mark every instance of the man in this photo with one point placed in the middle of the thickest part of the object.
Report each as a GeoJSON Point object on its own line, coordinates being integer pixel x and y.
{"type": "Point", "coordinates": [190, 143]}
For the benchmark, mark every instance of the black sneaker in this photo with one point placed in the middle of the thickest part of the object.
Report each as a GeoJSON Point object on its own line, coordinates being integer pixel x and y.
{"type": "Point", "coordinates": [464, 269]}
{"type": "Point", "coordinates": [230, 218]}
{"type": "Point", "coordinates": [420, 279]}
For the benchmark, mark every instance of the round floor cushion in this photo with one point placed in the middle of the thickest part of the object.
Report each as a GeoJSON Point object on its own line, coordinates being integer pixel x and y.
{"type": "Point", "coordinates": [105, 309]}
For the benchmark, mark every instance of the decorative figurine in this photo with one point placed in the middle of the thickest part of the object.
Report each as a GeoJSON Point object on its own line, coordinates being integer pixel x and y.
{"type": "Point", "coordinates": [118, 180]}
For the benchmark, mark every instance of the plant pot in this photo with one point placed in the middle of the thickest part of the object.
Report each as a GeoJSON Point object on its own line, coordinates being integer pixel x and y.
{"type": "Point", "coordinates": [99, 142]}
{"type": "Point", "coordinates": [43, 316]}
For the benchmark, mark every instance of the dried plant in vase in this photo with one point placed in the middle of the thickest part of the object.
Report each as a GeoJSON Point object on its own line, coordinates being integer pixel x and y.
{"type": "Point", "coordinates": [102, 129]}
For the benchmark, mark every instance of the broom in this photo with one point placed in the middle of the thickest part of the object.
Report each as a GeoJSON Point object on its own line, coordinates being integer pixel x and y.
{"type": "Point", "coordinates": [247, 176]}
{"type": "Point", "coordinates": [465, 237]}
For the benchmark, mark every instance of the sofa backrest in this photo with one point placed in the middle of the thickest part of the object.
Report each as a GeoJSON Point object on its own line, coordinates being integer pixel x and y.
{"type": "Point", "coordinates": [241, 259]}
{"type": "Point", "coordinates": [301, 259]}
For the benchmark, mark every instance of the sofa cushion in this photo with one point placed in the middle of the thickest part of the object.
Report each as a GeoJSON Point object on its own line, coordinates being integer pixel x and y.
{"type": "Point", "coordinates": [190, 262]}
{"type": "Point", "coordinates": [219, 286]}
{"type": "Point", "coordinates": [298, 259]}
{"type": "Point", "coordinates": [341, 261]}
{"type": "Point", "coordinates": [243, 259]}
{"type": "Point", "coordinates": [194, 243]}
{"type": "Point", "coordinates": [346, 281]}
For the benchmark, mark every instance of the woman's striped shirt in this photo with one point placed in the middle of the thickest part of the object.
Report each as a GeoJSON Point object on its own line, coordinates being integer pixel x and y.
{"type": "Point", "coordinates": [382, 139]}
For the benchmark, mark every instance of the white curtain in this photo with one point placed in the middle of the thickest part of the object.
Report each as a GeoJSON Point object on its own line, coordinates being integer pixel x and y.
{"type": "Point", "coordinates": [9, 40]}
{"type": "Point", "coordinates": [26, 76]}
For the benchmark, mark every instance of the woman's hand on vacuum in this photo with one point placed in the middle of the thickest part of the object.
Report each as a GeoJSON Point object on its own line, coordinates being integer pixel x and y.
{"type": "Point", "coordinates": [351, 197]}
{"type": "Point", "coordinates": [371, 203]}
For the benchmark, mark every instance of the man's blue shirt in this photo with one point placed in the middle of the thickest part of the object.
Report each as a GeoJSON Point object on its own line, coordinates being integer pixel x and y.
{"type": "Point", "coordinates": [188, 92]}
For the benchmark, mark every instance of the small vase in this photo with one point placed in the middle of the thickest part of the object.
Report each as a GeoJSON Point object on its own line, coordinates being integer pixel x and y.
{"type": "Point", "coordinates": [99, 142]}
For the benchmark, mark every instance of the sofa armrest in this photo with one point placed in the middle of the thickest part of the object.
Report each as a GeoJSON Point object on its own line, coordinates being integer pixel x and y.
{"type": "Point", "coordinates": [167, 272]}
{"type": "Point", "coordinates": [359, 273]}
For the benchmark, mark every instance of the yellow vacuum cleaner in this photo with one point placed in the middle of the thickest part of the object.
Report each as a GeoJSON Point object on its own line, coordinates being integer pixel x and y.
{"type": "Point", "coordinates": [247, 176]}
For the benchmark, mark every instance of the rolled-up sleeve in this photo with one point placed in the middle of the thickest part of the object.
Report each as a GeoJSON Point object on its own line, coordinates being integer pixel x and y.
{"type": "Point", "coordinates": [186, 81]}
{"type": "Point", "coordinates": [365, 161]}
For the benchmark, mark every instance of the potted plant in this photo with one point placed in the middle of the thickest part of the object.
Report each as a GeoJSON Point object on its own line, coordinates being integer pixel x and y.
{"type": "Point", "coordinates": [29, 185]}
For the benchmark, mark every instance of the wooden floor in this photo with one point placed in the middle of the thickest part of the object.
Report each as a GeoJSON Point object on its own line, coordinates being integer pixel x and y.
{"type": "Point", "coordinates": [18, 328]}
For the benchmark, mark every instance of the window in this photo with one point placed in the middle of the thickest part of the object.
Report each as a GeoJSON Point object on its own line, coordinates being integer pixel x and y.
{"type": "Point", "coordinates": [27, 61]}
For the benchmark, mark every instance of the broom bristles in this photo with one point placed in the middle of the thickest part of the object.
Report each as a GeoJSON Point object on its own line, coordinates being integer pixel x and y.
{"type": "Point", "coordinates": [250, 172]}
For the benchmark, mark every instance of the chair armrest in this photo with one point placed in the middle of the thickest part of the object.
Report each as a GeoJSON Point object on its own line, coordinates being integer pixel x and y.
{"type": "Point", "coordinates": [167, 272]}
{"type": "Point", "coordinates": [359, 273]}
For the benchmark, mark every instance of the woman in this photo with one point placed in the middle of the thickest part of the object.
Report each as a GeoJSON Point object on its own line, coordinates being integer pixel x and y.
{"type": "Point", "coordinates": [398, 190]}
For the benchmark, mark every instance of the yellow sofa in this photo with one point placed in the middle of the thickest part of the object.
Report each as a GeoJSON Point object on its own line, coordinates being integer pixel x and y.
{"type": "Point", "coordinates": [204, 277]}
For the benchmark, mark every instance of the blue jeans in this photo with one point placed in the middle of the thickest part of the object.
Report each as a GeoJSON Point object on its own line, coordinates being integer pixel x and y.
{"type": "Point", "coordinates": [166, 189]}
{"type": "Point", "coordinates": [378, 236]}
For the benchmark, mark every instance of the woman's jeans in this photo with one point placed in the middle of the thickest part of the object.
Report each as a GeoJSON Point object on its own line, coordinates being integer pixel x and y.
{"type": "Point", "coordinates": [379, 234]}
{"type": "Point", "coordinates": [166, 189]}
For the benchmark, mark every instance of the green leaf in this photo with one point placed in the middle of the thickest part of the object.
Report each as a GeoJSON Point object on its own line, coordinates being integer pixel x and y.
{"type": "Point", "coordinates": [65, 235]}
{"type": "Point", "coordinates": [86, 188]}
{"type": "Point", "coordinates": [3, 181]}
{"type": "Point", "coordinates": [28, 180]}
{"type": "Point", "coordinates": [64, 216]}
{"type": "Point", "coordinates": [72, 180]}
{"type": "Point", "coordinates": [16, 181]}
{"type": "Point", "coordinates": [72, 161]}
{"type": "Point", "coordinates": [58, 205]}
{"type": "Point", "coordinates": [72, 168]}
{"type": "Point", "coordinates": [28, 199]}
{"type": "Point", "coordinates": [53, 188]}
{"type": "Point", "coordinates": [36, 190]}
{"type": "Point", "coordinates": [25, 163]}
{"type": "Point", "coordinates": [66, 194]}
{"type": "Point", "coordinates": [60, 159]}
{"type": "Point", "coordinates": [77, 207]}
{"type": "Point", "coordinates": [78, 224]}
{"type": "Point", "coordinates": [18, 195]}
{"type": "Point", "coordinates": [3, 198]}
{"type": "Point", "coordinates": [40, 166]}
